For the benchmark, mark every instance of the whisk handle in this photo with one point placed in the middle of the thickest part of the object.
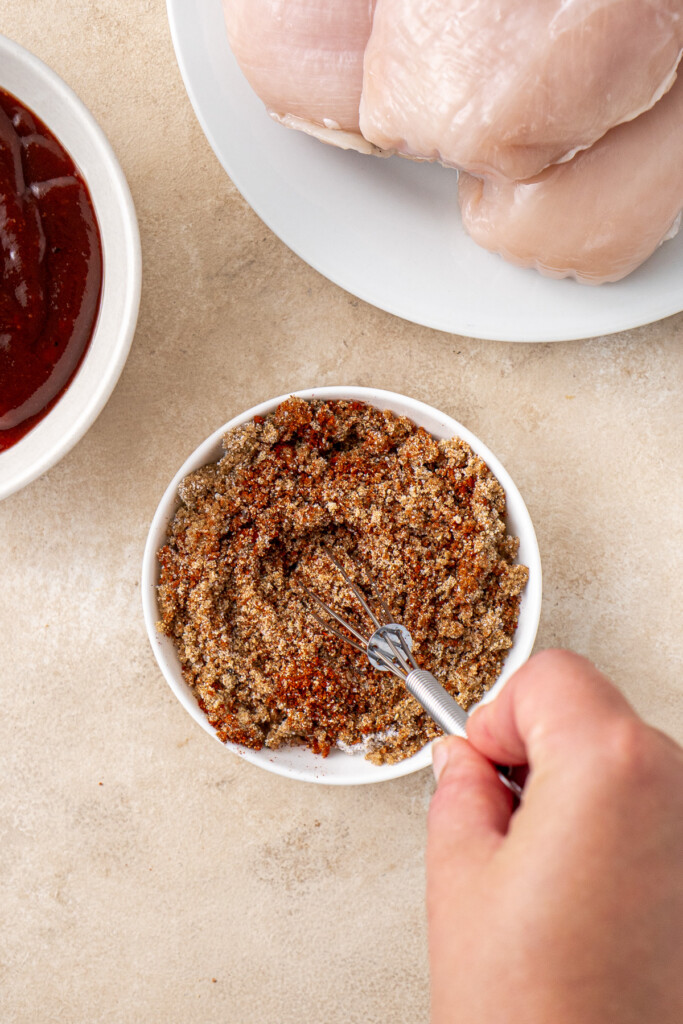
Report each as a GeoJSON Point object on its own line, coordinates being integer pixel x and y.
{"type": "Point", "coordinates": [437, 702]}
{"type": "Point", "coordinates": [448, 714]}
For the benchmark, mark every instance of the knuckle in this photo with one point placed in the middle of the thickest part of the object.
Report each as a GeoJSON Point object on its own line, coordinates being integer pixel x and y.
{"type": "Point", "coordinates": [440, 806]}
{"type": "Point", "coordinates": [633, 750]}
{"type": "Point", "coordinates": [560, 671]}
{"type": "Point", "coordinates": [444, 803]}
{"type": "Point", "coordinates": [459, 786]}
{"type": "Point", "coordinates": [460, 771]}
{"type": "Point", "coordinates": [553, 657]}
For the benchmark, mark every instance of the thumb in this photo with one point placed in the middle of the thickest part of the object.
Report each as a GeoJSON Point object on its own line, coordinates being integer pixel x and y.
{"type": "Point", "coordinates": [469, 813]}
{"type": "Point", "coordinates": [554, 707]}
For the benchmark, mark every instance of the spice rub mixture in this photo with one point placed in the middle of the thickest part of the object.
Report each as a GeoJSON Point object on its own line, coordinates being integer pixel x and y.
{"type": "Point", "coordinates": [425, 519]}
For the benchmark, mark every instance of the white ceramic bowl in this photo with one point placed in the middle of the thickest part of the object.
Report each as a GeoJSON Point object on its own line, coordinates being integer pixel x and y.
{"type": "Point", "coordinates": [298, 762]}
{"type": "Point", "coordinates": [44, 93]}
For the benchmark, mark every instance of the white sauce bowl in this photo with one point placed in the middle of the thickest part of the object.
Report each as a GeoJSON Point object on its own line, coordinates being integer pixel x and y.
{"type": "Point", "coordinates": [47, 96]}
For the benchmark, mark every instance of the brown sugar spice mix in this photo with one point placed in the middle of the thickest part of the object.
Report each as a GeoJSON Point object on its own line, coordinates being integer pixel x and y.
{"type": "Point", "coordinates": [424, 518]}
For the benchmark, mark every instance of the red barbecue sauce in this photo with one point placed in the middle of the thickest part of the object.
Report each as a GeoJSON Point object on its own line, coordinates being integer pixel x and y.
{"type": "Point", "coordinates": [51, 263]}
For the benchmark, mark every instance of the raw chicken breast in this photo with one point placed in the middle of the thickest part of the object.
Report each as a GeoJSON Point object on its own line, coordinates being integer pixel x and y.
{"type": "Point", "coordinates": [304, 59]}
{"type": "Point", "coordinates": [597, 217]}
{"type": "Point", "coordinates": [510, 86]}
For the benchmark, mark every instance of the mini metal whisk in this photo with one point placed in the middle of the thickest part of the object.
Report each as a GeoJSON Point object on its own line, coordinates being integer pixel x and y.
{"type": "Point", "coordinates": [389, 649]}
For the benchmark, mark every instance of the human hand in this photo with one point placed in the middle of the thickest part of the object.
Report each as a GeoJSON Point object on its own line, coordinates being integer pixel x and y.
{"type": "Point", "coordinates": [570, 910]}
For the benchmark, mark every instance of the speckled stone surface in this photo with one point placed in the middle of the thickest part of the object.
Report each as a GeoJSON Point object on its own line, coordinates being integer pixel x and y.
{"type": "Point", "coordinates": [145, 873]}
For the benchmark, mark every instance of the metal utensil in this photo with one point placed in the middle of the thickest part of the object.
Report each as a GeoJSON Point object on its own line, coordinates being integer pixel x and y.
{"type": "Point", "coordinates": [389, 649]}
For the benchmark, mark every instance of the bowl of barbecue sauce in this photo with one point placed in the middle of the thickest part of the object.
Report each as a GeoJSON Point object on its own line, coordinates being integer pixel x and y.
{"type": "Point", "coordinates": [70, 259]}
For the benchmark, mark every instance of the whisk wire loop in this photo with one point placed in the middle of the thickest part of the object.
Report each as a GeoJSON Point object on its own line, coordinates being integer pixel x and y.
{"type": "Point", "coordinates": [338, 618]}
{"type": "Point", "coordinates": [330, 629]}
{"type": "Point", "coordinates": [358, 592]}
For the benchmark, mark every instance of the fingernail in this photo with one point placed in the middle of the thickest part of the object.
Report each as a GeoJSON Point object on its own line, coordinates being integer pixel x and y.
{"type": "Point", "coordinates": [439, 756]}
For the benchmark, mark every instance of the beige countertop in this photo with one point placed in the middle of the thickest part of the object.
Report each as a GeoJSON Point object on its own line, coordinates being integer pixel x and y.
{"type": "Point", "coordinates": [145, 873]}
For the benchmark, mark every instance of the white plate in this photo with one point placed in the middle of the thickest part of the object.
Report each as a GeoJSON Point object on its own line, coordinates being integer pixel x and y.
{"type": "Point", "coordinates": [340, 769]}
{"type": "Point", "coordinates": [389, 231]}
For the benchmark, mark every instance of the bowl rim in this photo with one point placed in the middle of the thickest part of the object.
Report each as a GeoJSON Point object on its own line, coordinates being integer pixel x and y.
{"type": "Point", "coordinates": [78, 407]}
{"type": "Point", "coordinates": [209, 450]}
